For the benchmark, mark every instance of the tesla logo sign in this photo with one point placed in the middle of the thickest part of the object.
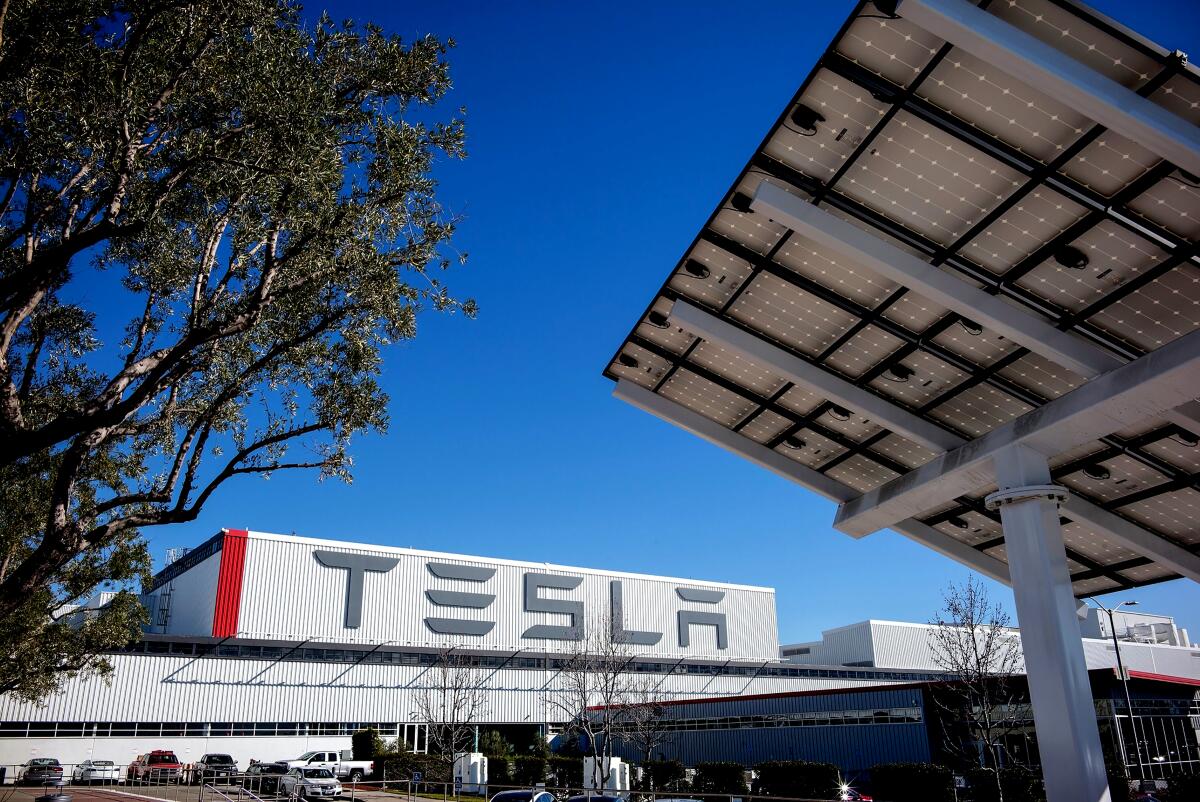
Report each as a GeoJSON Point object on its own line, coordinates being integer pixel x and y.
{"type": "Point", "coordinates": [472, 595]}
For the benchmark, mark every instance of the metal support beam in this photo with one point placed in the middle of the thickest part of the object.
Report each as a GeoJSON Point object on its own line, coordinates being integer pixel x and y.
{"type": "Point", "coordinates": [887, 260]}
{"type": "Point", "coordinates": [1063, 711]}
{"type": "Point", "coordinates": [1051, 71]}
{"type": "Point", "coordinates": [1132, 536]}
{"type": "Point", "coordinates": [806, 477]}
{"type": "Point", "coordinates": [1140, 390]}
{"type": "Point", "coordinates": [812, 377]}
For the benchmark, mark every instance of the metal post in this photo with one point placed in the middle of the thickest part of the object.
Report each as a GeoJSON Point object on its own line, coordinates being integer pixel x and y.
{"type": "Point", "coordinates": [1063, 710]}
{"type": "Point", "coordinates": [1137, 744]}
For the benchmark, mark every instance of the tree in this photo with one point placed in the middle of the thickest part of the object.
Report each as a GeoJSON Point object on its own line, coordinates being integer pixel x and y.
{"type": "Point", "coordinates": [643, 717]}
{"type": "Point", "coordinates": [214, 218]}
{"type": "Point", "coordinates": [594, 691]}
{"type": "Point", "coordinates": [974, 643]}
{"type": "Point", "coordinates": [451, 700]}
{"type": "Point", "coordinates": [493, 744]}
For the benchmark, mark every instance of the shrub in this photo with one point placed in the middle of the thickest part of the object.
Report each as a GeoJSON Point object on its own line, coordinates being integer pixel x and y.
{"type": "Point", "coordinates": [366, 744]}
{"type": "Point", "coordinates": [719, 778]}
{"type": "Point", "coordinates": [499, 770]}
{"type": "Point", "coordinates": [529, 770]}
{"type": "Point", "coordinates": [401, 765]}
{"type": "Point", "coordinates": [1183, 787]}
{"type": "Point", "coordinates": [796, 778]}
{"type": "Point", "coordinates": [567, 771]}
{"type": "Point", "coordinates": [493, 743]}
{"type": "Point", "coordinates": [661, 774]}
{"type": "Point", "coordinates": [912, 782]}
{"type": "Point", "coordinates": [1018, 784]}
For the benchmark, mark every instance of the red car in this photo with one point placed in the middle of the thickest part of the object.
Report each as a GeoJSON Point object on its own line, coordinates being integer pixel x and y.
{"type": "Point", "coordinates": [161, 765]}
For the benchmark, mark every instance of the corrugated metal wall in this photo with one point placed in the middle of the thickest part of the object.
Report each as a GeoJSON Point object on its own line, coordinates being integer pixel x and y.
{"type": "Point", "coordinates": [287, 594]}
{"type": "Point", "coordinates": [148, 687]}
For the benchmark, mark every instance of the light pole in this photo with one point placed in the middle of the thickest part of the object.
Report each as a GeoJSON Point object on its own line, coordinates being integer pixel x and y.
{"type": "Point", "coordinates": [1112, 628]}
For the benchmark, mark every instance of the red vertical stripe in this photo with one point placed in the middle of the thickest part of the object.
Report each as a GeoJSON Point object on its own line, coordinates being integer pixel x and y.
{"type": "Point", "coordinates": [229, 584]}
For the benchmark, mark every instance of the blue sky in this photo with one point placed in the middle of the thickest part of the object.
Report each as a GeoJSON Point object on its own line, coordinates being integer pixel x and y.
{"type": "Point", "coordinates": [600, 138]}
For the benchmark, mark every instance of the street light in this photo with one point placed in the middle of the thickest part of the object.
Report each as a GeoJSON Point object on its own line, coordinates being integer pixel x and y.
{"type": "Point", "coordinates": [1112, 628]}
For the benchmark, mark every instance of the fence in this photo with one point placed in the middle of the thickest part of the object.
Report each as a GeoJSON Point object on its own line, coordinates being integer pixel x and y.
{"type": "Point", "coordinates": [186, 785]}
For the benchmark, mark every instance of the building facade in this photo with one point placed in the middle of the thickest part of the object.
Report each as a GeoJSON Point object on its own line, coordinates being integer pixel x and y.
{"type": "Point", "coordinates": [265, 646]}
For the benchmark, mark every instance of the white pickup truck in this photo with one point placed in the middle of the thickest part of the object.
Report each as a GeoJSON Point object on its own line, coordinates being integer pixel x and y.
{"type": "Point", "coordinates": [338, 762]}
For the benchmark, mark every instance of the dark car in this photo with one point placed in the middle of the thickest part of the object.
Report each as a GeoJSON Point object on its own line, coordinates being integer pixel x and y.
{"type": "Point", "coordinates": [41, 771]}
{"type": "Point", "coordinates": [213, 768]}
{"type": "Point", "coordinates": [263, 778]}
{"type": "Point", "coordinates": [523, 796]}
{"type": "Point", "coordinates": [594, 798]}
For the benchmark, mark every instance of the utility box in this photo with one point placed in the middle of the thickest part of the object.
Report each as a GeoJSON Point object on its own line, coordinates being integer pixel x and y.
{"type": "Point", "coordinates": [618, 777]}
{"type": "Point", "coordinates": [470, 772]}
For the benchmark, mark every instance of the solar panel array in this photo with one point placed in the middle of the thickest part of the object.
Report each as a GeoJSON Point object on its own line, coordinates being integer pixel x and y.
{"type": "Point", "coordinates": [988, 179]}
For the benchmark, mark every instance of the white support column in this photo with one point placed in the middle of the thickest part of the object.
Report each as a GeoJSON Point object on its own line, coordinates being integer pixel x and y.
{"type": "Point", "coordinates": [1063, 711]}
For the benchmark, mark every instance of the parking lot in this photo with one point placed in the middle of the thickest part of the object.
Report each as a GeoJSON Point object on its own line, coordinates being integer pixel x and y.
{"type": "Point", "coordinates": [175, 793]}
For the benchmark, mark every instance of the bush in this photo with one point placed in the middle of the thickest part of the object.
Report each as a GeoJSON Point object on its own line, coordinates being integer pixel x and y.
{"type": "Point", "coordinates": [493, 743]}
{"type": "Point", "coordinates": [567, 771]}
{"type": "Point", "coordinates": [529, 771]}
{"type": "Point", "coordinates": [366, 744]}
{"type": "Point", "coordinates": [719, 778]}
{"type": "Point", "coordinates": [912, 782]}
{"type": "Point", "coordinates": [796, 778]}
{"type": "Point", "coordinates": [1019, 784]}
{"type": "Point", "coordinates": [1183, 787]}
{"type": "Point", "coordinates": [401, 765]}
{"type": "Point", "coordinates": [499, 770]}
{"type": "Point", "coordinates": [661, 774]}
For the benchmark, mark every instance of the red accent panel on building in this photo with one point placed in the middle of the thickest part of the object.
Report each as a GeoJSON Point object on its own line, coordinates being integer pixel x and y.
{"type": "Point", "coordinates": [229, 584]}
{"type": "Point", "coordinates": [1162, 677]}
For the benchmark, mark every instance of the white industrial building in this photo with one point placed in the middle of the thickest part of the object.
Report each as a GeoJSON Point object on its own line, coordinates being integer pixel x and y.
{"type": "Point", "coordinates": [1150, 644]}
{"type": "Point", "coordinates": [265, 646]}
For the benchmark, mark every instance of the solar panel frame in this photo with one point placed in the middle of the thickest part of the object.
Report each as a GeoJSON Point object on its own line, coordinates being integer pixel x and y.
{"type": "Point", "coordinates": [872, 315]}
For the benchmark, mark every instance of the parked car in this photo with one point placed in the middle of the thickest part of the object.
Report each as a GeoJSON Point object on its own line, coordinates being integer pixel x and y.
{"type": "Point", "coordinates": [523, 796]}
{"type": "Point", "coordinates": [339, 763]}
{"type": "Point", "coordinates": [309, 783]}
{"type": "Point", "coordinates": [161, 766]}
{"type": "Point", "coordinates": [92, 771]}
{"type": "Point", "coordinates": [40, 771]}
{"type": "Point", "coordinates": [263, 778]}
{"type": "Point", "coordinates": [850, 795]}
{"type": "Point", "coordinates": [213, 768]}
{"type": "Point", "coordinates": [594, 798]}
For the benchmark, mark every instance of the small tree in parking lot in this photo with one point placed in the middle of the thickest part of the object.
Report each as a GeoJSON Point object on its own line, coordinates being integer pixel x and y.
{"type": "Point", "coordinates": [366, 744]}
{"type": "Point", "coordinates": [451, 700]}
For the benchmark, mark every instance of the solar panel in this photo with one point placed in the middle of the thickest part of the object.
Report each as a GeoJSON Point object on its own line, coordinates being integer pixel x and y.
{"type": "Point", "coordinates": [808, 354]}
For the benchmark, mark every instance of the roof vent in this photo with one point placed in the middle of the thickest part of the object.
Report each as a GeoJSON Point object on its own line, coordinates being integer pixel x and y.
{"type": "Point", "coordinates": [806, 119]}
{"type": "Point", "coordinates": [741, 203]}
{"type": "Point", "coordinates": [1072, 257]}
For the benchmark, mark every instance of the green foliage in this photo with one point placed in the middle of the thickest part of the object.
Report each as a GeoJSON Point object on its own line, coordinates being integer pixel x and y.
{"type": "Point", "coordinates": [249, 198]}
{"type": "Point", "coordinates": [567, 771]}
{"type": "Point", "coordinates": [529, 770]}
{"type": "Point", "coordinates": [367, 745]}
{"type": "Point", "coordinates": [491, 742]}
{"type": "Point", "coordinates": [1182, 787]}
{"type": "Point", "coordinates": [719, 778]}
{"type": "Point", "coordinates": [1017, 783]}
{"type": "Point", "coordinates": [401, 765]}
{"type": "Point", "coordinates": [499, 770]}
{"type": "Point", "coordinates": [912, 782]}
{"type": "Point", "coordinates": [661, 774]}
{"type": "Point", "coordinates": [796, 778]}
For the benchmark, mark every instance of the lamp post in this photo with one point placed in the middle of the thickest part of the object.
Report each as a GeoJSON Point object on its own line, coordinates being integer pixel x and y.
{"type": "Point", "coordinates": [1112, 628]}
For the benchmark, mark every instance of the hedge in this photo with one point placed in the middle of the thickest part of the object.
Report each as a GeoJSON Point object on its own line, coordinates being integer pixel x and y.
{"type": "Point", "coordinates": [567, 771]}
{"type": "Point", "coordinates": [658, 775]}
{"type": "Point", "coordinates": [719, 778]}
{"type": "Point", "coordinates": [1018, 784]}
{"type": "Point", "coordinates": [366, 744]}
{"type": "Point", "coordinates": [401, 765]}
{"type": "Point", "coordinates": [912, 782]}
{"type": "Point", "coordinates": [795, 778]}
